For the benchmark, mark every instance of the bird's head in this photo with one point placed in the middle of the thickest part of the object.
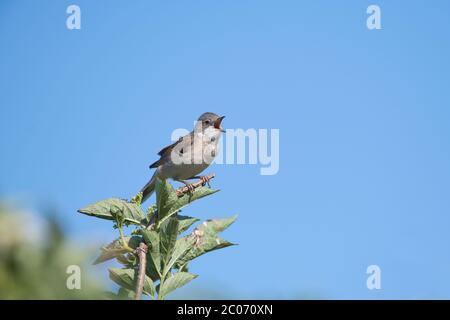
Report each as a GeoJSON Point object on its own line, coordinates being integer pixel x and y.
{"type": "Point", "coordinates": [210, 120]}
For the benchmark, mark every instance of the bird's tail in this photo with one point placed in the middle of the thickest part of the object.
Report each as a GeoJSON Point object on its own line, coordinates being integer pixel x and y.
{"type": "Point", "coordinates": [149, 188]}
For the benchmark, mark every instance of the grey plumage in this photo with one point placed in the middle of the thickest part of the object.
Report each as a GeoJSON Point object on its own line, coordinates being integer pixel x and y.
{"type": "Point", "coordinates": [190, 149]}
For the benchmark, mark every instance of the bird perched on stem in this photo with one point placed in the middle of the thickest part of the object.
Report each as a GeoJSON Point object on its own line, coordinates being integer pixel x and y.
{"type": "Point", "coordinates": [189, 156]}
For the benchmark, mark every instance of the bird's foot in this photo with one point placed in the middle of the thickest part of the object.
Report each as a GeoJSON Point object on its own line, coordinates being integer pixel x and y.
{"type": "Point", "coordinates": [205, 180]}
{"type": "Point", "coordinates": [190, 187]}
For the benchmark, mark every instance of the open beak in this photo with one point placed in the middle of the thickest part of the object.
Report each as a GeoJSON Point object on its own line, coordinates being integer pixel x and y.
{"type": "Point", "coordinates": [218, 122]}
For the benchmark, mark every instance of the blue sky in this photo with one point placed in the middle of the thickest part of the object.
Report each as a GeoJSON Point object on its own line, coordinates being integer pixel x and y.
{"type": "Point", "coordinates": [364, 120]}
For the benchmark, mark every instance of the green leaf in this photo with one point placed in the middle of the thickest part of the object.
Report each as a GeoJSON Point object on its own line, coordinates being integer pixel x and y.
{"type": "Point", "coordinates": [217, 225]}
{"type": "Point", "coordinates": [115, 249]}
{"type": "Point", "coordinates": [206, 239]}
{"type": "Point", "coordinates": [187, 198]}
{"type": "Point", "coordinates": [149, 287]}
{"type": "Point", "coordinates": [185, 223]}
{"type": "Point", "coordinates": [182, 246]}
{"type": "Point", "coordinates": [153, 255]}
{"type": "Point", "coordinates": [168, 236]}
{"type": "Point", "coordinates": [126, 279]}
{"type": "Point", "coordinates": [169, 203]}
{"type": "Point", "coordinates": [127, 261]}
{"type": "Point", "coordinates": [125, 294]}
{"type": "Point", "coordinates": [113, 209]}
{"type": "Point", "coordinates": [177, 280]}
{"type": "Point", "coordinates": [202, 245]}
{"type": "Point", "coordinates": [165, 197]}
{"type": "Point", "coordinates": [123, 277]}
{"type": "Point", "coordinates": [137, 198]}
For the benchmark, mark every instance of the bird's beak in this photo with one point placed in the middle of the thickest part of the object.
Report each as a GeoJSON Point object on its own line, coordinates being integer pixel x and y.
{"type": "Point", "coordinates": [218, 122]}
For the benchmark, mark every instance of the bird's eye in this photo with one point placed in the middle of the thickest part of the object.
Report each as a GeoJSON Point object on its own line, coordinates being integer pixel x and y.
{"type": "Point", "coordinates": [207, 122]}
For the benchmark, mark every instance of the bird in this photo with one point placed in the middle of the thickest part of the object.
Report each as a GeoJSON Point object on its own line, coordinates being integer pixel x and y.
{"type": "Point", "coordinates": [186, 158]}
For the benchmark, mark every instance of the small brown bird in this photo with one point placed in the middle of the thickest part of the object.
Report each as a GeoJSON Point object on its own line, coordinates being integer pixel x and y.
{"type": "Point", "coordinates": [190, 155]}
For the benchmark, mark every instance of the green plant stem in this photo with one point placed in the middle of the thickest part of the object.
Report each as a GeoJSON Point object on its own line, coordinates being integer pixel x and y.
{"type": "Point", "coordinates": [122, 238]}
{"type": "Point", "coordinates": [161, 282]}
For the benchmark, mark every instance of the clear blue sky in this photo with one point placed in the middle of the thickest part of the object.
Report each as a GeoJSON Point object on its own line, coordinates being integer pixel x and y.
{"type": "Point", "coordinates": [364, 119]}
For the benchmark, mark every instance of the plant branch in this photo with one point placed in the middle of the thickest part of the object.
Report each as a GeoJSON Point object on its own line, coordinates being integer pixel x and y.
{"type": "Point", "coordinates": [201, 182]}
{"type": "Point", "coordinates": [122, 239]}
{"type": "Point", "coordinates": [161, 282]}
{"type": "Point", "coordinates": [141, 252]}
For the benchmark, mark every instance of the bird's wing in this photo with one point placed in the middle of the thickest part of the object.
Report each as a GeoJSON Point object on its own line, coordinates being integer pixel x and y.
{"type": "Point", "coordinates": [169, 148]}
{"type": "Point", "coordinates": [165, 152]}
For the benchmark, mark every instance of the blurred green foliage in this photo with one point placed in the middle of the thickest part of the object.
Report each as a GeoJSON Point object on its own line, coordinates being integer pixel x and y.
{"type": "Point", "coordinates": [34, 257]}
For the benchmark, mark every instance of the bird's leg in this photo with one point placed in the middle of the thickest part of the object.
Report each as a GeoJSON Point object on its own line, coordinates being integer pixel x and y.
{"type": "Point", "coordinates": [204, 179]}
{"type": "Point", "coordinates": [187, 184]}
